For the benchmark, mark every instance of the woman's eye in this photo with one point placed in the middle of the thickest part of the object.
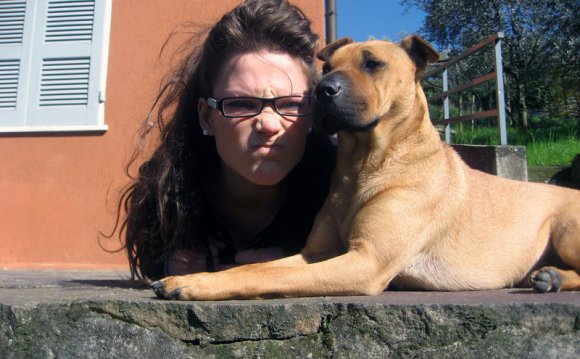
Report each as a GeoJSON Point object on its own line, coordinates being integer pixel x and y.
{"type": "Point", "coordinates": [291, 105]}
{"type": "Point", "coordinates": [241, 104]}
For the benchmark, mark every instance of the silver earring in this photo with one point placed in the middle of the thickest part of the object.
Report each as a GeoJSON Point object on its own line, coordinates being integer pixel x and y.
{"type": "Point", "coordinates": [205, 132]}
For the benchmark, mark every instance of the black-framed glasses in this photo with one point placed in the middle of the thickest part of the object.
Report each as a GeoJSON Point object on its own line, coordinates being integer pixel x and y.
{"type": "Point", "coordinates": [293, 106]}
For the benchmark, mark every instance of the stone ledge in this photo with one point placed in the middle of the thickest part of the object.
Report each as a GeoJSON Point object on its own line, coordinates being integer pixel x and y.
{"type": "Point", "coordinates": [102, 315]}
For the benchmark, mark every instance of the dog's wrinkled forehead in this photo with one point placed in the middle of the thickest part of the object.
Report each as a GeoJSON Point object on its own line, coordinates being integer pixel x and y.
{"type": "Point", "coordinates": [361, 56]}
{"type": "Point", "coordinates": [372, 53]}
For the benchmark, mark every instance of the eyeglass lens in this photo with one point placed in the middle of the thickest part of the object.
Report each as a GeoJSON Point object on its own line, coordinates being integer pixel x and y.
{"type": "Point", "coordinates": [249, 106]}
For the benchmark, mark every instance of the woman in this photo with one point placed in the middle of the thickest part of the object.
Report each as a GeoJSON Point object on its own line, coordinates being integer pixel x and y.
{"type": "Point", "coordinates": [238, 176]}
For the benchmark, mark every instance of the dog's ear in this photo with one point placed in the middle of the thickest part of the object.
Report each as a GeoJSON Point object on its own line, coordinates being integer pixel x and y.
{"type": "Point", "coordinates": [420, 51]}
{"type": "Point", "coordinates": [327, 51]}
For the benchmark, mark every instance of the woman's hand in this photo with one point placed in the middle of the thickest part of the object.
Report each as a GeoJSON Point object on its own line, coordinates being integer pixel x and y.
{"type": "Point", "coordinates": [186, 261]}
{"type": "Point", "coordinates": [249, 256]}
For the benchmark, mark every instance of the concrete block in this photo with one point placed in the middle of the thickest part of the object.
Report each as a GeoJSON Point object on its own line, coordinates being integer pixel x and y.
{"type": "Point", "coordinates": [504, 161]}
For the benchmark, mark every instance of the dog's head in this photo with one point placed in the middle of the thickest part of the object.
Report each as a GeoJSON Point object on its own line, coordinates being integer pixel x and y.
{"type": "Point", "coordinates": [366, 83]}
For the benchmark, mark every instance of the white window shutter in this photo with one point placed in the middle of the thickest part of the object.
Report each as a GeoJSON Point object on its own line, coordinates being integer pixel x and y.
{"type": "Point", "coordinates": [53, 64]}
{"type": "Point", "coordinates": [14, 41]}
{"type": "Point", "coordinates": [66, 64]}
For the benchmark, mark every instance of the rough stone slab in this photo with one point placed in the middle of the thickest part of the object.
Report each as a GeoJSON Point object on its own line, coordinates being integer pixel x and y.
{"type": "Point", "coordinates": [80, 314]}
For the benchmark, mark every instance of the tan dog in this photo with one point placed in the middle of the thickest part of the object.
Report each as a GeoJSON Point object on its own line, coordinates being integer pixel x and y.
{"type": "Point", "coordinates": [403, 207]}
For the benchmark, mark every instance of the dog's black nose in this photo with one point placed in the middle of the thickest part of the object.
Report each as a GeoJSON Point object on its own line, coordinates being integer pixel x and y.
{"type": "Point", "coordinates": [328, 88]}
{"type": "Point", "coordinates": [331, 88]}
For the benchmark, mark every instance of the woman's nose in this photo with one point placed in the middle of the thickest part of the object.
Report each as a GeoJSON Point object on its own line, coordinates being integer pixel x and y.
{"type": "Point", "coordinates": [269, 121]}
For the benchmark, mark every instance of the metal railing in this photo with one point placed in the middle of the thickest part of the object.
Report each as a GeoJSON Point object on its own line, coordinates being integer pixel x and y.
{"type": "Point", "coordinates": [497, 74]}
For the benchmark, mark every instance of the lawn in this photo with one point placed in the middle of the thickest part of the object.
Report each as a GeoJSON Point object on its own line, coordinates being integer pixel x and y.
{"type": "Point", "coordinates": [548, 142]}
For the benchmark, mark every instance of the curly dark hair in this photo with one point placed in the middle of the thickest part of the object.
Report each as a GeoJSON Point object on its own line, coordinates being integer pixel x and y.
{"type": "Point", "coordinates": [163, 204]}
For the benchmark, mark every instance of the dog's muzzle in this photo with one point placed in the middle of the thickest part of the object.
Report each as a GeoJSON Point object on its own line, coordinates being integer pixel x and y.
{"type": "Point", "coordinates": [326, 104]}
{"type": "Point", "coordinates": [334, 107]}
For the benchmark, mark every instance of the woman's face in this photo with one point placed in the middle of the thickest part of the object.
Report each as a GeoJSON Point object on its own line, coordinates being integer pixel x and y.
{"type": "Point", "coordinates": [264, 148]}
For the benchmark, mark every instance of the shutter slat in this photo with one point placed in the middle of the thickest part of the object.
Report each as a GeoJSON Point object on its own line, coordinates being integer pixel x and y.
{"type": "Point", "coordinates": [70, 16]}
{"type": "Point", "coordinates": [8, 83]}
{"type": "Point", "coordinates": [70, 21]}
{"type": "Point", "coordinates": [64, 82]}
{"type": "Point", "coordinates": [12, 22]}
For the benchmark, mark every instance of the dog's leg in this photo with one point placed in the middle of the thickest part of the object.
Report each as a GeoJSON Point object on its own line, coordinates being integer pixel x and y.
{"type": "Point", "coordinates": [373, 259]}
{"type": "Point", "coordinates": [260, 279]}
{"type": "Point", "coordinates": [353, 273]}
{"type": "Point", "coordinates": [566, 242]}
{"type": "Point", "coordinates": [291, 261]}
{"type": "Point", "coordinates": [552, 279]}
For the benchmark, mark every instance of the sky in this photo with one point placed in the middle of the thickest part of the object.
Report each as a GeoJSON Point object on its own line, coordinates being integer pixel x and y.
{"type": "Point", "coordinates": [360, 19]}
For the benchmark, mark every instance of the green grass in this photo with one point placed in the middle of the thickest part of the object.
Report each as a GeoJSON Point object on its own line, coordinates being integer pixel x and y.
{"type": "Point", "coordinates": [555, 153]}
{"type": "Point", "coordinates": [548, 142]}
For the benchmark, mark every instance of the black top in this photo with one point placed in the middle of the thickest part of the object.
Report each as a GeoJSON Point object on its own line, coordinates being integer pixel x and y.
{"type": "Point", "coordinates": [308, 185]}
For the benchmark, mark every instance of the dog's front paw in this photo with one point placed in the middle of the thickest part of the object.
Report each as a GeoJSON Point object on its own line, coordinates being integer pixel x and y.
{"type": "Point", "coordinates": [546, 280]}
{"type": "Point", "coordinates": [169, 288]}
{"type": "Point", "coordinates": [199, 286]}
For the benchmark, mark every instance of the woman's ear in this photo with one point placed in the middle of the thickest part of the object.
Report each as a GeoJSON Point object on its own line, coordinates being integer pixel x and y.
{"type": "Point", "coordinates": [204, 113]}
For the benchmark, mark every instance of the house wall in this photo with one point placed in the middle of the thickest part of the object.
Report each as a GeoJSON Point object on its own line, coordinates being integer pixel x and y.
{"type": "Point", "coordinates": [59, 190]}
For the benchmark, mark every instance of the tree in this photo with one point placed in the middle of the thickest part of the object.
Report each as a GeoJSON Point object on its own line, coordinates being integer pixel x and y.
{"type": "Point", "coordinates": [540, 52]}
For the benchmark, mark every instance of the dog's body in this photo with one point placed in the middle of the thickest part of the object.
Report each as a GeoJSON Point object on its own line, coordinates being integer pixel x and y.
{"type": "Point", "coordinates": [403, 208]}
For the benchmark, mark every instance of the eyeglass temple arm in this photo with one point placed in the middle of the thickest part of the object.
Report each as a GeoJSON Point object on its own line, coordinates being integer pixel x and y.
{"type": "Point", "coordinates": [212, 102]}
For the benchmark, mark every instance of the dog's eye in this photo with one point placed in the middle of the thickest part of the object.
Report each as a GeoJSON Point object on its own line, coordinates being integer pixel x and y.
{"type": "Point", "coordinates": [372, 65]}
{"type": "Point", "coordinates": [325, 69]}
